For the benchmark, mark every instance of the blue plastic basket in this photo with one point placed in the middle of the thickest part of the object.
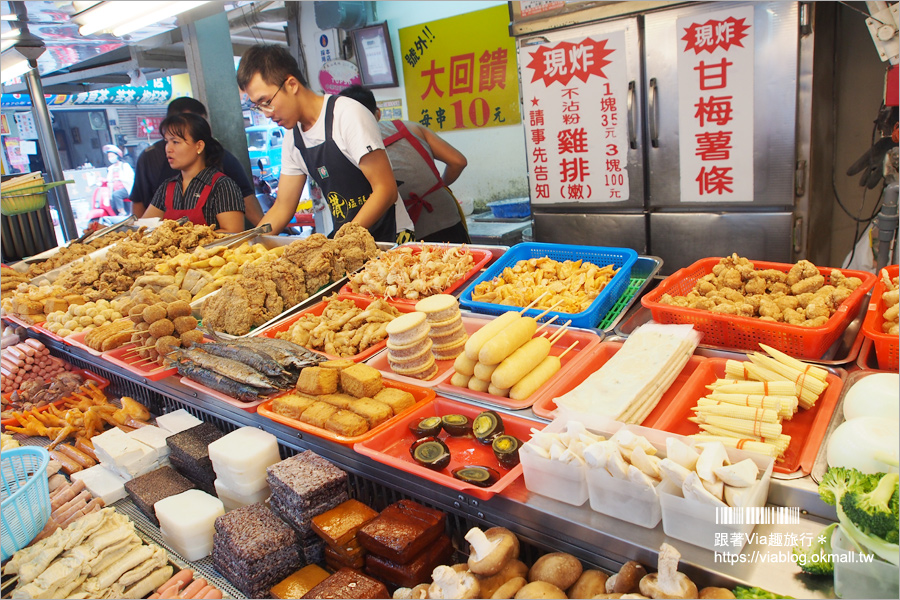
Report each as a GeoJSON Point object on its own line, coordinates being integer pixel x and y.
{"type": "Point", "coordinates": [621, 258]}
{"type": "Point", "coordinates": [26, 497]}
{"type": "Point", "coordinates": [511, 209]}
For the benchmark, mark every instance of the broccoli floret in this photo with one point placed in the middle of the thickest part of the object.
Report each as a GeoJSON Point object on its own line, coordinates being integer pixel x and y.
{"type": "Point", "coordinates": [816, 560]}
{"type": "Point", "coordinates": [870, 510]}
{"type": "Point", "coordinates": [837, 481]}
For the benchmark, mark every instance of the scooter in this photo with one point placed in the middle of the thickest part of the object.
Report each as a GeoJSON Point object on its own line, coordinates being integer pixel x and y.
{"type": "Point", "coordinates": [102, 211]}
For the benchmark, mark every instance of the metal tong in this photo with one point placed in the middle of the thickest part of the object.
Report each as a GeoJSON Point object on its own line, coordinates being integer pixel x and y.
{"type": "Point", "coordinates": [240, 237]}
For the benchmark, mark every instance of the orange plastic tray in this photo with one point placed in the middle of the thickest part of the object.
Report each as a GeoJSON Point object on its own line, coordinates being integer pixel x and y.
{"type": "Point", "coordinates": [40, 328]}
{"type": "Point", "coordinates": [886, 345]}
{"type": "Point", "coordinates": [481, 257]}
{"type": "Point", "coordinates": [77, 340]}
{"type": "Point", "coordinates": [15, 319]}
{"type": "Point", "coordinates": [318, 309]}
{"type": "Point", "coordinates": [100, 381]}
{"type": "Point", "coordinates": [391, 447]}
{"type": "Point", "coordinates": [125, 358]}
{"type": "Point", "coordinates": [806, 428]}
{"type": "Point", "coordinates": [587, 340]}
{"type": "Point", "coordinates": [422, 395]}
{"type": "Point", "coordinates": [596, 358]}
{"type": "Point", "coordinates": [732, 331]}
{"type": "Point", "coordinates": [211, 393]}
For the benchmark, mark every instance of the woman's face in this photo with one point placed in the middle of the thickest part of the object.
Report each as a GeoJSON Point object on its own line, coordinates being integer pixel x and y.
{"type": "Point", "coordinates": [183, 152]}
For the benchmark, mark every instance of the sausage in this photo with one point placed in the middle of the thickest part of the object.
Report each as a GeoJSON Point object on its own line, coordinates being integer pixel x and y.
{"type": "Point", "coordinates": [534, 380]}
{"type": "Point", "coordinates": [16, 353]}
{"type": "Point", "coordinates": [507, 341]}
{"type": "Point", "coordinates": [520, 363]}
{"type": "Point", "coordinates": [68, 465]}
{"type": "Point", "coordinates": [77, 455]}
{"type": "Point", "coordinates": [460, 379]}
{"type": "Point", "coordinates": [193, 588]}
{"type": "Point", "coordinates": [213, 594]}
{"type": "Point", "coordinates": [478, 385]}
{"type": "Point", "coordinates": [495, 391]}
{"type": "Point", "coordinates": [464, 365]}
{"type": "Point", "coordinates": [483, 371]}
{"type": "Point", "coordinates": [184, 576]}
{"type": "Point", "coordinates": [28, 350]}
{"type": "Point", "coordinates": [86, 446]}
{"type": "Point", "coordinates": [36, 344]}
{"type": "Point", "coordinates": [478, 339]}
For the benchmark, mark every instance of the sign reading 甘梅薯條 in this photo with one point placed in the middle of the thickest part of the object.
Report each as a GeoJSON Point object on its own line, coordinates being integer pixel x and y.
{"type": "Point", "coordinates": [575, 96]}
{"type": "Point", "coordinates": [460, 72]}
{"type": "Point", "coordinates": [715, 106]}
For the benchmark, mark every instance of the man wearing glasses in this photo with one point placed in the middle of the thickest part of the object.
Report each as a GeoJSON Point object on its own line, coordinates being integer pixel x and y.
{"type": "Point", "coordinates": [332, 139]}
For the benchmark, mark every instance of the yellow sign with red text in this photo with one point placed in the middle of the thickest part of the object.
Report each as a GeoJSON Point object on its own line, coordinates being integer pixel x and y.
{"type": "Point", "coordinates": [460, 72]}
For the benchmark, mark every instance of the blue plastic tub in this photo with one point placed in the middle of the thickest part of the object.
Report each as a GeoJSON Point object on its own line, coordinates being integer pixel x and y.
{"type": "Point", "coordinates": [621, 258]}
{"type": "Point", "coordinates": [514, 208]}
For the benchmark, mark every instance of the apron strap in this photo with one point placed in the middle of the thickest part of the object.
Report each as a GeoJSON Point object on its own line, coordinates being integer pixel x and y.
{"type": "Point", "coordinates": [207, 190]}
{"type": "Point", "coordinates": [170, 195]}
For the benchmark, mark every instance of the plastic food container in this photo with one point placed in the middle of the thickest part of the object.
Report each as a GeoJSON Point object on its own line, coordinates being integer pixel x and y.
{"type": "Point", "coordinates": [514, 208]}
{"type": "Point", "coordinates": [858, 579]}
{"type": "Point", "coordinates": [732, 331]}
{"type": "Point", "coordinates": [621, 258]}
{"type": "Point", "coordinates": [587, 340]}
{"type": "Point", "coordinates": [390, 446]}
{"type": "Point", "coordinates": [421, 395]}
{"type": "Point", "coordinates": [130, 360]}
{"type": "Point", "coordinates": [886, 345]}
{"type": "Point", "coordinates": [318, 309]}
{"type": "Point", "coordinates": [594, 359]}
{"type": "Point", "coordinates": [100, 382]}
{"type": "Point", "coordinates": [807, 428]}
{"type": "Point", "coordinates": [26, 497]}
{"type": "Point", "coordinates": [481, 257]}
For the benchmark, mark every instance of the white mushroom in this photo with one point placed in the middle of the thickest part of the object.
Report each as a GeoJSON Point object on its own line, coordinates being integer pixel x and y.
{"type": "Point", "coordinates": [681, 453]}
{"type": "Point", "coordinates": [448, 583]}
{"type": "Point", "coordinates": [673, 472]}
{"type": "Point", "coordinates": [693, 490]}
{"type": "Point", "coordinates": [668, 582]}
{"type": "Point", "coordinates": [742, 474]}
{"type": "Point", "coordinates": [648, 464]}
{"type": "Point", "coordinates": [712, 457]}
{"type": "Point", "coordinates": [491, 550]}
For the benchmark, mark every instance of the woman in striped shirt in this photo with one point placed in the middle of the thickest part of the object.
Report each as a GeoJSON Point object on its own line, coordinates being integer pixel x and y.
{"type": "Point", "coordinates": [200, 192]}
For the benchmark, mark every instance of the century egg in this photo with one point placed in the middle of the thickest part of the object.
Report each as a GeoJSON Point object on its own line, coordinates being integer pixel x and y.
{"type": "Point", "coordinates": [429, 426]}
{"type": "Point", "coordinates": [430, 452]}
{"type": "Point", "coordinates": [506, 449]}
{"type": "Point", "coordinates": [457, 425]}
{"type": "Point", "coordinates": [477, 475]}
{"type": "Point", "coordinates": [486, 426]}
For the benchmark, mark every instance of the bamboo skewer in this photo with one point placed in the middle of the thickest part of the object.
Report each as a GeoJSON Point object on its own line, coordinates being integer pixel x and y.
{"type": "Point", "coordinates": [547, 323]}
{"type": "Point", "coordinates": [562, 331]}
{"type": "Point", "coordinates": [532, 303]}
{"type": "Point", "coordinates": [538, 318]}
{"type": "Point", "coordinates": [566, 351]}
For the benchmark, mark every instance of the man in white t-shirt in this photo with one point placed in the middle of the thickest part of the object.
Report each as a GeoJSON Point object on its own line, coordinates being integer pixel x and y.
{"type": "Point", "coordinates": [332, 139]}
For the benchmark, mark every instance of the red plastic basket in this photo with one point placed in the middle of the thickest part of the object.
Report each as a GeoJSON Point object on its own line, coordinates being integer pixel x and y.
{"type": "Point", "coordinates": [318, 309]}
{"type": "Point", "coordinates": [886, 351]}
{"type": "Point", "coordinates": [807, 428]}
{"type": "Point", "coordinates": [746, 333]}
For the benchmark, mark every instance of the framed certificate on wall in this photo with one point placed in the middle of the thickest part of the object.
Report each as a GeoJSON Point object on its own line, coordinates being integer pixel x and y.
{"type": "Point", "coordinates": [375, 56]}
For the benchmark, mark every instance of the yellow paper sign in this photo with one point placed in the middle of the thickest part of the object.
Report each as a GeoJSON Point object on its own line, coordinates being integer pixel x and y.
{"type": "Point", "coordinates": [460, 72]}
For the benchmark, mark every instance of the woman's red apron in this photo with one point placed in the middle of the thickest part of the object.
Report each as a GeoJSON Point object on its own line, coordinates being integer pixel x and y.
{"type": "Point", "coordinates": [414, 204]}
{"type": "Point", "coordinates": [194, 215]}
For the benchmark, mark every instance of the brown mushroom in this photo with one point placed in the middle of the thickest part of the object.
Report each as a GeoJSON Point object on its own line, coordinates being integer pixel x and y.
{"type": "Point", "coordinates": [540, 589]}
{"type": "Point", "coordinates": [716, 592]}
{"type": "Point", "coordinates": [591, 583]}
{"type": "Point", "coordinates": [420, 592]}
{"type": "Point", "coordinates": [627, 579]}
{"type": "Point", "coordinates": [668, 582]}
{"type": "Point", "coordinates": [490, 583]}
{"type": "Point", "coordinates": [490, 550]}
{"type": "Point", "coordinates": [508, 590]}
{"type": "Point", "coordinates": [558, 568]}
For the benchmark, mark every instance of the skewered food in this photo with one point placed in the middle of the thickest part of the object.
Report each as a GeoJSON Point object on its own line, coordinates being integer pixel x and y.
{"type": "Point", "coordinates": [802, 296]}
{"type": "Point", "coordinates": [412, 272]}
{"type": "Point", "coordinates": [891, 299]}
{"type": "Point", "coordinates": [570, 286]}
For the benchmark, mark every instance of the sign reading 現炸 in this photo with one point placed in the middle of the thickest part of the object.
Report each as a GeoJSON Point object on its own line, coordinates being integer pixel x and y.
{"type": "Point", "coordinates": [715, 106]}
{"type": "Point", "coordinates": [460, 72]}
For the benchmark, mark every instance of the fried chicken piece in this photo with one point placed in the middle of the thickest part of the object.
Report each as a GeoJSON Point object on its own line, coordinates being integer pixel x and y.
{"type": "Point", "coordinates": [355, 245]}
{"type": "Point", "coordinates": [769, 309]}
{"type": "Point", "coordinates": [808, 284]}
{"type": "Point", "coordinates": [318, 257]}
{"type": "Point", "coordinates": [289, 279]}
{"type": "Point", "coordinates": [241, 305]}
{"type": "Point", "coordinates": [800, 271]}
{"type": "Point", "coordinates": [756, 285]}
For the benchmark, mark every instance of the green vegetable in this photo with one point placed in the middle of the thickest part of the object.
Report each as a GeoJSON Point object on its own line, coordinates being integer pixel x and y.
{"type": "Point", "coordinates": [866, 509]}
{"type": "Point", "coordinates": [816, 560]}
{"type": "Point", "coordinates": [755, 592]}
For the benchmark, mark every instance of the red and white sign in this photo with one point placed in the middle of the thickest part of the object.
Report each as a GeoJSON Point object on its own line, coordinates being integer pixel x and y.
{"type": "Point", "coordinates": [575, 94]}
{"type": "Point", "coordinates": [528, 8]}
{"type": "Point", "coordinates": [715, 106]}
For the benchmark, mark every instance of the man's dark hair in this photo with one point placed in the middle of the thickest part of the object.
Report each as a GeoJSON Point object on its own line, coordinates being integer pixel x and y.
{"type": "Point", "coordinates": [186, 104]}
{"type": "Point", "coordinates": [273, 63]}
{"type": "Point", "coordinates": [361, 95]}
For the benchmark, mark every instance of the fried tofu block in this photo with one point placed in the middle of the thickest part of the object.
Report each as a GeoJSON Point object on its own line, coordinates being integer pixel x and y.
{"type": "Point", "coordinates": [338, 364]}
{"type": "Point", "coordinates": [361, 381]}
{"type": "Point", "coordinates": [339, 525]}
{"type": "Point", "coordinates": [317, 381]}
{"type": "Point", "coordinates": [54, 304]}
{"type": "Point", "coordinates": [346, 423]}
{"type": "Point", "coordinates": [318, 414]}
{"type": "Point", "coordinates": [372, 411]}
{"type": "Point", "coordinates": [398, 400]}
{"type": "Point", "coordinates": [292, 405]}
{"type": "Point", "coordinates": [342, 401]}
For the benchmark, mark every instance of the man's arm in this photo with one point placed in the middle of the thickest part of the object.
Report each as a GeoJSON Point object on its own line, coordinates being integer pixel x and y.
{"type": "Point", "coordinates": [444, 152]}
{"type": "Point", "coordinates": [377, 168]}
{"type": "Point", "coordinates": [289, 189]}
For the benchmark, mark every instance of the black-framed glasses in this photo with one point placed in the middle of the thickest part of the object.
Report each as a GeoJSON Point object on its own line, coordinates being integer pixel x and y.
{"type": "Point", "coordinates": [266, 106]}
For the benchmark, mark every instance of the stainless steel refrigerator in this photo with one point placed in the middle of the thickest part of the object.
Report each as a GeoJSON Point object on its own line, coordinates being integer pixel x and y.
{"type": "Point", "coordinates": [652, 55]}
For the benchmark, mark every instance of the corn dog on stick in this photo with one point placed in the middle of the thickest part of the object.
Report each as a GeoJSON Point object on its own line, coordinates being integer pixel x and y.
{"type": "Point", "coordinates": [749, 413]}
{"type": "Point", "coordinates": [740, 444]}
